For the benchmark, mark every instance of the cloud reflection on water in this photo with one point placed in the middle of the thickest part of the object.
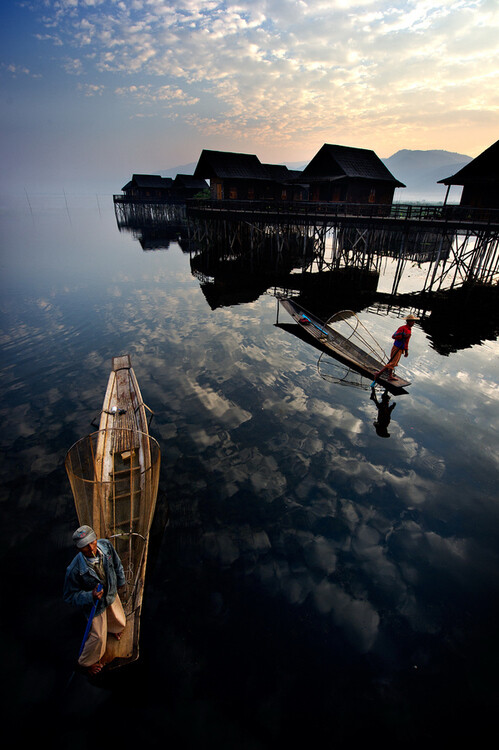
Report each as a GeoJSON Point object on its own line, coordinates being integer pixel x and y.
{"type": "Point", "coordinates": [275, 479]}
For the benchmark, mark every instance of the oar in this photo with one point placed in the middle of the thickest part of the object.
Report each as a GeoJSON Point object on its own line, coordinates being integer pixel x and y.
{"type": "Point", "coordinates": [89, 623]}
{"type": "Point", "coordinates": [315, 325]}
{"type": "Point", "coordinates": [87, 630]}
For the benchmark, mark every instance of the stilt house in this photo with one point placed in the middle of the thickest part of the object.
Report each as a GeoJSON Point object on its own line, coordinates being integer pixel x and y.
{"type": "Point", "coordinates": [243, 177]}
{"type": "Point", "coordinates": [350, 175]}
{"type": "Point", "coordinates": [480, 180]}
{"type": "Point", "coordinates": [148, 186]}
{"type": "Point", "coordinates": [186, 186]}
{"type": "Point", "coordinates": [287, 186]}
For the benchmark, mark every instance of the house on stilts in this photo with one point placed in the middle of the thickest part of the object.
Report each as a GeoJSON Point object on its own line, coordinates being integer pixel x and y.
{"type": "Point", "coordinates": [480, 180]}
{"type": "Point", "coordinates": [238, 176]}
{"type": "Point", "coordinates": [148, 186]}
{"type": "Point", "coordinates": [349, 175]}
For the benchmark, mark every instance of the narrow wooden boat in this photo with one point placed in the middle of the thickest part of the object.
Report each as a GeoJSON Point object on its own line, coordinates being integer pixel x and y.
{"type": "Point", "coordinates": [114, 476]}
{"type": "Point", "coordinates": [341, 347]}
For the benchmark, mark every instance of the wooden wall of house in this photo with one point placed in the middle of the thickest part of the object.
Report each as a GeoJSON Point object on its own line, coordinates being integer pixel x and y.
{"type": "Point", "coordinates": [352, 191]}
{"type": "Point", "coordinates": [480, 196]}
{"type": "Point", "coordinates": [147, 192]}
{"type": "Point", "coordinates": [247, 189]}
{"type": "Point", "coordinates": [364, 191]}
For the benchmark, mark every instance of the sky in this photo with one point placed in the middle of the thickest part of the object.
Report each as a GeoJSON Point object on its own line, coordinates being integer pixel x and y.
{"type": "Point", "coordinates": [95, 90]}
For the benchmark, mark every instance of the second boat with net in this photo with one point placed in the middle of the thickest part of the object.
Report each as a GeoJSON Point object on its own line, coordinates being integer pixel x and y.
{"type": "Point", "coordinates": [357, 348]}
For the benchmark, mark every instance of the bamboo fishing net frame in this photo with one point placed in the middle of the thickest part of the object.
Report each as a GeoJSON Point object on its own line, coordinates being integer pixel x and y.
{"type": "Point", "coordinates": [117, 502]}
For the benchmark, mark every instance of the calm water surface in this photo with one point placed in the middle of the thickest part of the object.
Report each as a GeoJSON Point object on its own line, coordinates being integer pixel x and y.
{"type": "Point", "coordinates": [309, 581]}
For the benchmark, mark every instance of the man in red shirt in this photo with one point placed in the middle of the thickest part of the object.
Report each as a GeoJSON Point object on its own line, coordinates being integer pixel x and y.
{"type": "Point", "coordinates": [401, 345]}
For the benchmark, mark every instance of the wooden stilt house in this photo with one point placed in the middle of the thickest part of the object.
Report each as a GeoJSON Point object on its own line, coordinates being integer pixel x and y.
{"type": "Point", "coordinates": [186, 186]}
{"type": "Point", "coordinates": [285, 183]}
{"type": "Point", "coordinates": [148, 186]}
{"type": "Point", "coordinates": [350, 175]}
{"type": "Point", "coordinates": [236, 176]}
{"type": "Point", "coordinates": [480, 180]}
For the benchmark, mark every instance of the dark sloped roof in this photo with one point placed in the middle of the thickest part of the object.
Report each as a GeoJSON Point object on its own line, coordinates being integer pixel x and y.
{"type": "Point", "coordinates": [280, 172]}
{"type": "Point", "coordinates": [189, 181]}
{"type": "Point", "coordinates": [333, 161]}
{"type": "Point", "coordinates": [484, 168]}
{"type": "Point", "coordinates": [148, 181]}
{"type": "Point", "coordinates": [294, 173]}
{"type": "Point", "coordinates": [227, 164]}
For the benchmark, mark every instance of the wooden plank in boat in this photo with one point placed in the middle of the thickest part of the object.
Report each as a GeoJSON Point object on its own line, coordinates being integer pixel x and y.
{"type": "Point", "coordinates": [121, 362]}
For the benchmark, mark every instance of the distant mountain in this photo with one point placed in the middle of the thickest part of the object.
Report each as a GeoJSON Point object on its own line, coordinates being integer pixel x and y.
{"type": "Point", "coordinates": [418, 170]}
{"type": "Point", "coordinates": [421, 170]}
{"type": "Point", "coordinates": [183, 169]}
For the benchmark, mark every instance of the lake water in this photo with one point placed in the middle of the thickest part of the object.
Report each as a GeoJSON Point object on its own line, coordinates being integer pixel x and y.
{"type": "Point", "coordinates": [310, 583]}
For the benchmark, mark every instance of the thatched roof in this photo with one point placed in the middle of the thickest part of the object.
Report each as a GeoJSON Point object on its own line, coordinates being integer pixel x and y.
{"type": "Point", "coordinates": [152, 181]}
{"type": "Point", "coordinates": [333, 162]}
{"type": "Point", "coordinates": [228, 164]}
{"type": "Point", "coordinates": [190, 182]}
{"type": "Point", "coordinates": [280, 172]}
{"type": "Point", "coordinates": [483, 169]}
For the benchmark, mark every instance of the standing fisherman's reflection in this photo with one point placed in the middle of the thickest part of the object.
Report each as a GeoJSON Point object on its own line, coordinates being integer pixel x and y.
{"type": "Point", "coordinates": [384, 412]}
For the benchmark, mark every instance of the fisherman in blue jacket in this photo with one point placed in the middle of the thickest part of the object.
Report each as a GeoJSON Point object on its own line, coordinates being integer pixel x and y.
{"type": "Point", "coordinates": [97, 562]}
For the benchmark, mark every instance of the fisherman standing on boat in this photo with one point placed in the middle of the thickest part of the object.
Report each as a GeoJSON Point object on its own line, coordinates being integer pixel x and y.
{"type": "Point", "coordinates": [97, 562]}
{"type": "Point", "coordinates": [401, 345]}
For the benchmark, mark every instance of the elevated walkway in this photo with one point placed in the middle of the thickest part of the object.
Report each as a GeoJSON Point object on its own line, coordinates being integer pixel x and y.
{"type": "Point", "coordinates": [305, 213]}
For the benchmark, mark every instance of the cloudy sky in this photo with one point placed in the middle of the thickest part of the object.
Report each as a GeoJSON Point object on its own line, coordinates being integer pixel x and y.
{"type": "Point", "coordinates": [93, 90]}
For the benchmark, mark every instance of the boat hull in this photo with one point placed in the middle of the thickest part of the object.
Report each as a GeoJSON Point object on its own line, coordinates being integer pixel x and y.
{"type": "Point", "coordinates": [114, 475]}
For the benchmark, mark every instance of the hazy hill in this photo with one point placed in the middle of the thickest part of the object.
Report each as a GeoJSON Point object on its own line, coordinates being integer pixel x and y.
{"type": "Point", "coordinates": [418, 170]}
{"type": "Point", "coordinates": [421, 170]}
{"type": "Point", "coordinates": [183, 169]}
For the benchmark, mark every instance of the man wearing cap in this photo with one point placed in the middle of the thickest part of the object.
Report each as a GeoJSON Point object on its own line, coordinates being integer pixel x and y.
{"type": "Point", "coordinates": [401, 345]}
{"type": "Point", "coordinates": [97, 562]}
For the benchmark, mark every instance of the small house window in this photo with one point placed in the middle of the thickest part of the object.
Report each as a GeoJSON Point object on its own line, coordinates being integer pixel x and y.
{"type": "Point", "coordinates": [233, 193]}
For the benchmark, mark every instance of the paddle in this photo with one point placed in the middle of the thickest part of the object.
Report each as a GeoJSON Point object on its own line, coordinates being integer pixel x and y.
{"type": "Point", "coordinates": [87, 629]}
{"type": "Point", "coordinates": [89, 623]}
{"type": "Point", "coordinates": [315, 324]}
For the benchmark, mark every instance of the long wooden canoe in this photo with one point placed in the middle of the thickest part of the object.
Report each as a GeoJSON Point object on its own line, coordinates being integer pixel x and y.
{"type": "Point", "coordinates": [340, 347]}
{"type": "Point", "coordinates": [114, 475]}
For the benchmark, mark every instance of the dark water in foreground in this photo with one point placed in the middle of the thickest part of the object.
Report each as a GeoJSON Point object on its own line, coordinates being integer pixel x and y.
{"type": "Point", "coordinates": [309, 583]}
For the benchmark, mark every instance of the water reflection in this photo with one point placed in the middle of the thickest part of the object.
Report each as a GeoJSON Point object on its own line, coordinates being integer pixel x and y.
{"type": "Point", "coordinates": [301, 548]}
{"type": "Point", "coordinates": [384, 412]}
{"type": "Point", "coordinates": [154, 225]}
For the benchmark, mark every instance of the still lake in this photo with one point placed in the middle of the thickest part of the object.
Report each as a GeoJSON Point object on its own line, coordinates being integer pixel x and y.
{"type": "Point", "coordinates": [309, 581]}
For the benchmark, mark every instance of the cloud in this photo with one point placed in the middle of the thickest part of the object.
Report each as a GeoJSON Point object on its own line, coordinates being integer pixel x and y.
{"type": "Point", "coordinates": [90, 89]}
{"type": "Point", "coordinates": [73, 66]}
{"type": "Point", "coordinates": [265, 68]}
{"type": "Point", "coordinates": [147, 94]}
{"type": "Point", "coordinates": [18, 70]}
